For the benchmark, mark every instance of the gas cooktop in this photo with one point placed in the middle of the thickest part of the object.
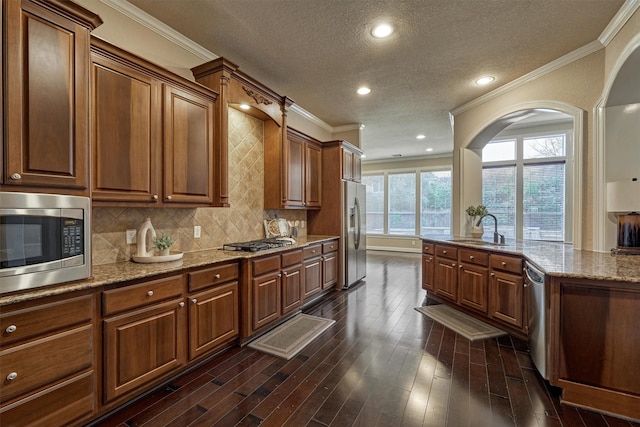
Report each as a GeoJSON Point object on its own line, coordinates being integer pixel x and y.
{"type": "Point", "coordinates": [257, 245]}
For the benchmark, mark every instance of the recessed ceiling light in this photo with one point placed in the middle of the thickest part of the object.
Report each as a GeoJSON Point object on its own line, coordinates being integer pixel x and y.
{"type": "Point", "coordinates": [381, 31]}
{"type": "Point", "coordinates": [485, 80]}
{"type": "Point", "coordinates": [364, 91]}
{"type": "Point", "coordinates": [421, 136]}
{"type": "Point", "coordinates": [244, 106]}
{"type": "Point", "coordinates": [363, 156]}
{"type": "Point", "coordinates": [429, 149]}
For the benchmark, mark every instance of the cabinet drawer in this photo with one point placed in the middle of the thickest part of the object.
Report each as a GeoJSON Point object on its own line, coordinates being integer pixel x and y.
{"type": "Point", "coordinates": [311, 251]}
{"type": "Point", "coordinates": [44, 361]}
{"type": "Point", "coordinates": [147, 293]}
{"type": "Point", "coordinates": [292, 258]}
{"type": "Point", "coordinates": [506, 263]}
{"type": "Point", "coordinates": [428, 248]}
{"type": "Point", "coordinates": [40, 320]}
{"type": "Point", "coordinates": [265, 265]}
{"type": "Point", "coordinates": [330, 247]}
{"type": "Point", "coordinates": [474, 257]}
{"type": "Point", "coordinates": [59, 405]}
{"type": "Point", "coordinates": [212, 276]}
{"type": "Point", "coordinates": [447, 251]}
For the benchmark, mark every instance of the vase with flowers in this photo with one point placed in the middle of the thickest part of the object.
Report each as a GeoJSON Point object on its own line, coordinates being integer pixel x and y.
{"type": "Point", "coordinates": [163, 244]}
{"type": "Point", "coordinates": [474, 213]}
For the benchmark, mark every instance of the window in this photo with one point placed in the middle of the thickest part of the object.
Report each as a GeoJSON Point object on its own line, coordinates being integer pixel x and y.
{"type": "Point", "coordinates": [408, 203]}
{"type": "Point", "coordinates": [525, 185]}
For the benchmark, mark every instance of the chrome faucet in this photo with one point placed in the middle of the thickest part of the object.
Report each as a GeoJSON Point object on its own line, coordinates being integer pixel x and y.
{"type": "Point", "coordinates": [497, 237]}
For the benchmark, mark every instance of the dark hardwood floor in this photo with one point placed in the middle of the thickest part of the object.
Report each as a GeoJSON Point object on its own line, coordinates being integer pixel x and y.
{"type": "Point", "coordinates": [381, 364]}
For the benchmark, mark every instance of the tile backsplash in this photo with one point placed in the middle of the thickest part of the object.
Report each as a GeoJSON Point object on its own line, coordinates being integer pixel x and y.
{"type": "Point", "coordinates": [242, 221]}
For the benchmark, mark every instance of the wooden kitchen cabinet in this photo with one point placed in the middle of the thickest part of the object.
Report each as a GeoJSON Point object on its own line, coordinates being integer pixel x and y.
{"type": "Point", "coordinates": [506, 297]}
{"type": "Point", "coordinates": [214, 311]}
{"type": "Point", "coordinates": [152, 133]}
{"type": "Point", "coordinates": [351, 165]}
{"type": "Point", "coordinates": [292, 281]}
{"type": "Point", "coordinates": [428, 266]}
{"type": "Point", "coordinates": [446, 272]}
{"type": "Point", "coordinates": [145, 339]}
{"type": "Point", "coordinates": [47, 361]}
{"type": "Point", "coordinates": [266, 290]}
{"type": "Point", "coordinates": [300, 183]}
{"type": "Point", "coordinates": [330, 265]}
{"type": "Point", "coordinates": [312, 270]}
{"type": "Point", "coordinates": [46, 77]}
{"type": "Point", "coordinates": [473, 279]}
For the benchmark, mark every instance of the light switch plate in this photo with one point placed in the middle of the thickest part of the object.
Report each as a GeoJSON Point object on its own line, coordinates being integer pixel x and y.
{"type": "Point", "coordinates": [196, 231]}
{"type": "Point", "coordinates": [131, 237]}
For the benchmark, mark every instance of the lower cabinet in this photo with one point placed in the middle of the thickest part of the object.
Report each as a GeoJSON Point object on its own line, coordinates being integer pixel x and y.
{"type": "Point", "coordinates": [473, 279]}
{"type": "Point", "coordinates": [266, 289]}
{"type": "Point", "coordinates": [506, 291]}
{"type": "Point", "coordinates": [312, 270]}
{"type": "Point", "coordinates": [47, 361]}
{"type": "Point", "coordinates": [330, 266]}
{"type": "Point", "coordinates": [428, 266]}
{"type": "Point", "coordinates": [292, 281]}
{"type": "Point", "coordinates": [446, 272]}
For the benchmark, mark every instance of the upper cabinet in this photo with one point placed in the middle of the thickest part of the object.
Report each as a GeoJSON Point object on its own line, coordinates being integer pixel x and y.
{"type": "Point", "coordinates": [152, 133]}
{"type": "Point", "coordinates": [351, 163]}
{"type": "Point", "coordinates": [46, 95]}
{"type": "Point", "coordinates": [299, 183]}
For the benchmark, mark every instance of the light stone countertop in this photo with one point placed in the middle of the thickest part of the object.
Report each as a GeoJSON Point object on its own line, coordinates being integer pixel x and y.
{"type": "Point", "coordinates": [125, 271]}
{"type": "Point", "coordinates": [559, 259]}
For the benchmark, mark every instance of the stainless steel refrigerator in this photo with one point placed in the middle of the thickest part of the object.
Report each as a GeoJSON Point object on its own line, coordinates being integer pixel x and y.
{"type": "Point", "coordinates": [354, 233]}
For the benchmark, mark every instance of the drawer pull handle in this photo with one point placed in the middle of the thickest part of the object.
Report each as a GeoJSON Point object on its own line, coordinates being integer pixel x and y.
{"type": "Point", "coordinates": [16, 176]}
{"type": "Point", "coordinates": [503, 263]}
{"type": "Point", "coordinates": [217, 276]}
{"type": "Point", "coordinates": [149, 293]}
{"type": "Point", "coordinates": [460, 266]}
{"type": "Point", "coordinates": [493, 274]}
{"type": "Point", "coordinates": [471, 257]}
{"type": "Point", "coordinates": [181, 304]}
{"type": "Point", "coordinates": [10, 329]}
{"type": "Point", "coordinates": [195, 301]}
{"type": "Point", "coordinates": [313, 251]}
{"type": "Point", "coordinates": [444, 252]}
{"type": "Point", "coordinates": [12, 376]}
{"type": "Point", "coordinates": [169, 197]}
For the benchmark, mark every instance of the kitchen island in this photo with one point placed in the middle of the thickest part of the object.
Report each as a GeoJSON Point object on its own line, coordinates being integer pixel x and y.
{"type": "Point", "coordinates": [592, 302]}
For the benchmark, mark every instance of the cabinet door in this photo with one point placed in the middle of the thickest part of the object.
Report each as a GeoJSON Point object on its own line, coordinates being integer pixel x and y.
{"type": "Point", "coordinates": [142, 346]}
{"type": "Point", "coordinates": [428, 271]}
{"type": "Point", "coordinates": [329, 270]}
{"type": "Point", "coordinates": [472, 287]}
{"type": "Point", "coordinates": [313, 173]}
{"type": "Point", "coordinates": [188, 147]}
{"type": "Point", "coordinates": [294, 172]}
{"type": "Point", "coordinates": [125, 133]}
{"type": "Point", "coordinates": [266, 299]}
{"type": "Point", "coordinates": [505, 298]}
{"type": "Point", "coordinates": [312, 276]}
{"type": "Point", "coordinates": [447, 274]}
{"type": "Point", "coordinates": [357, 168]}
{"type": "Point", "coordinates": [213, 318]}
{"type": "Point", "coordinates": [347, 165]}
{"type": "Point", "coordinates": [47, 98]}
{"type": "Point", "coordinates": [292, 280]}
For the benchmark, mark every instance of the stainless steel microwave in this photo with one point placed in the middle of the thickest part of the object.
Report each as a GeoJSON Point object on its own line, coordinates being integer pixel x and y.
{"type": "Point", "coordinates": [45, 239]}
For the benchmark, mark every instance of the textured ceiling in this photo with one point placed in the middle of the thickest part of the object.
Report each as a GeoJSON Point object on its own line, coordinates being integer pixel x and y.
{"type": "Point", "coordinates": [318, 52]}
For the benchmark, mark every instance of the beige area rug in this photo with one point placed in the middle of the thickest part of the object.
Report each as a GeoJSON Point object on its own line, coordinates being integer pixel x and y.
{"type": "Point", "coordinates": [465, 325]}
{"type": "Point", "coordinates": [292, 336]}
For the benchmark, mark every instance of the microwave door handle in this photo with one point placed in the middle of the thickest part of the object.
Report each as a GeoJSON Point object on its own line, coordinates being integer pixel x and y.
{"type": "Point", "coordinates": [30, 212]}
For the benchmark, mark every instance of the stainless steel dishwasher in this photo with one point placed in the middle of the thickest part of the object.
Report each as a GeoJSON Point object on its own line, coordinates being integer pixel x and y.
{"type": "Point", "coordinates": [539, 319]}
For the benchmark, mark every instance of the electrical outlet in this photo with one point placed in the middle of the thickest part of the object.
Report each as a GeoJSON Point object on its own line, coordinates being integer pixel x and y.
{"type": "Point", "coordinates": [131, 237]}
{"type": "Point", "coordinates": [413, 242]}
{"type": "Point", "coordinates": [196, 231]}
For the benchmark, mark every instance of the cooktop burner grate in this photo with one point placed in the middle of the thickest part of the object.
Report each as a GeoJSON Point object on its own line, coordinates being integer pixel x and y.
{"type": "Point", "coordinates": [256, 245]}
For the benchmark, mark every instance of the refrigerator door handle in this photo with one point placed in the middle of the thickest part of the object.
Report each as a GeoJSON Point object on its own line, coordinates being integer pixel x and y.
{"type": "Point", "coordinates": [357, 223]}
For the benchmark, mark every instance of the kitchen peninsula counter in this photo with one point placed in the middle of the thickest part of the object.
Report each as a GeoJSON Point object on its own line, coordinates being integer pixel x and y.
{"type": "Point", "coordinates": [125, 271]}
{"type": "Point", "coordinates": [559, 259]}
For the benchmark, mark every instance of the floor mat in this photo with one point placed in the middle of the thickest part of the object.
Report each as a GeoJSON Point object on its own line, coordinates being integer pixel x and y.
{"type": "Point", "coordinates": [465, 325]}
{"type": "Point", "coordinates": [291, 337]}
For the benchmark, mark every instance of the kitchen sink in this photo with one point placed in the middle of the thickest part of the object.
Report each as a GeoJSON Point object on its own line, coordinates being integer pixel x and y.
{"type": "Point", "coordinates": [476, 242]}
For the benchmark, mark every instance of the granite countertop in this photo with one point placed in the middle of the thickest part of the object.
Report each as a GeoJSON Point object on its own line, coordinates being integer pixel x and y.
{"type": "Point", "coordinates": [559, 259]}
{"type": "Point", "coordinates": [125, 271]}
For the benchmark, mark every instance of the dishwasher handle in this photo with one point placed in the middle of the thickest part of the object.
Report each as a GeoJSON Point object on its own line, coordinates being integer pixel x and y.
{"type": "Point", "coordinates": [535, 276]}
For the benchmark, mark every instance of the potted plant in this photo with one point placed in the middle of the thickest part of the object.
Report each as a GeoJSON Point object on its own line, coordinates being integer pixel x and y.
{"type": "Point", "coordinates": [474, 214]}
{"type": "Point", "coordinates": [163, 243]}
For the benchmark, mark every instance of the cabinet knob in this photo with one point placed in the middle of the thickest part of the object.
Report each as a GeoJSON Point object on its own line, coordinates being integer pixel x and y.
{"type": "Point", "coordinates": [195, 301]}
{"type": "Point", "coordinates": [10, 329]}
{"type": "Point", "coordinates": [444, 252]}
{"type": "Point", "coordinates": [181, 304]}
{"type": "Point", "coordinates": [453, 265]}
{"type": "Point", "coordinates": [155, 197]}
{"type": "Point", "coordinates": [168, 197]}
{"type": "Point", "coordinates": [12, 376]}
{"type": "Point", "coordinates": [149, 293]}
{"type": "Point", "coordinates": [503, 263]}
{"type": "Point", "coordinates": [313, 251]}
{"type": "Point", "coordinates": [217, 276]}
{"type": "Point", "coordinates": [460, 266]}
{"type": "Point", "coordinates": [430, 259]}
{"type": "Point", "coordinates": [471, 257]}
{"type": "Point", "coordinates": [285, 275]}
{"type": "Point", "coordinates": [16, 176]}
{"type": "Point", "coordinates": [279, 275]}
{"type": "Point", "coordinates": [525, 285]}
{"type": "Point", "coordinates": [493, 274]}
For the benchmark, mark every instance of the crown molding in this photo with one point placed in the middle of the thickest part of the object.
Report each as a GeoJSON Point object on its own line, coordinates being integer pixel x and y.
{"type": "Point", "coordinates": [346, 128]}
{"type": "Point", "coordinates": [160, 28]}
{"type": "Point", "coordinates": [313, 119]}
{"type": "Point", "coordinates": [628, 8]}
{"type": "Point", "coordinates": [579, 53]}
